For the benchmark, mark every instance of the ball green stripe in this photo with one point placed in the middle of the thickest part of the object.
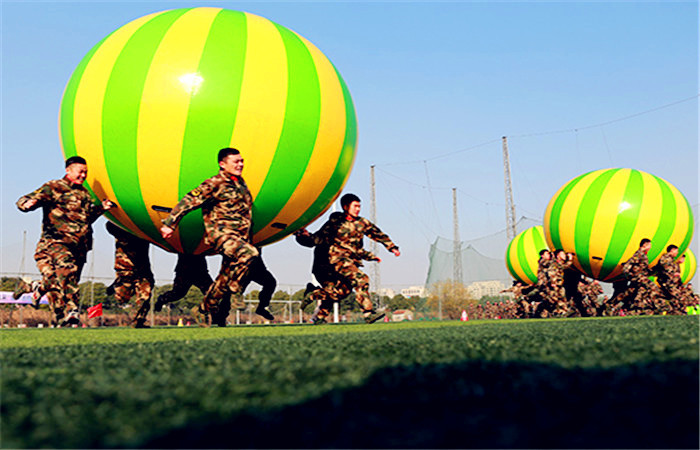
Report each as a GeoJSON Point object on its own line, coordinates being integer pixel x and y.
{"type": "Point", "coordinates": [556, 211]}
{"type": "Point", "coordinates": [691, 228]}
{"type": "Point", "coordinates": [624, 223]}
{"type": "Point", "coordinates": [206, 133]}
{"type": "Point", "coordinates": [522, 255]}
{"type": "Point", "coordinates": [342, 168]}
{"type": "Point", "coordinates": [68, 104]}
{"type": "Point", "coordinates": [120, 116]}
{"type": "Point", "coordinates": [296, 144]}
{"type": "Point", "coordinates": [509, 264]}
{"type": "Point", "coordinates": [668, 219]}
{"type": "Point", "coordinates": [587, 212]}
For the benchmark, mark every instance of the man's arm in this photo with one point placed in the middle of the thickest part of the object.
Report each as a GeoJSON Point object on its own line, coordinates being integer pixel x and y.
{"type": "Point", "coordinates": [373, 232]}
{"type": "Point", "coordinates": [191, 201]}
{"type": "Point", "coordinates": [35, 199]}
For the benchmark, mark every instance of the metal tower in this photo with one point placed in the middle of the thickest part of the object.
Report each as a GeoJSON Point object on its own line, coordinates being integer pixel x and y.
{"type": "Point", "coordinates": [373, 217]}
{"type": "Point", "coordinates": [510, 206]}
{"type": "Point", "coordinates": [457, 254]}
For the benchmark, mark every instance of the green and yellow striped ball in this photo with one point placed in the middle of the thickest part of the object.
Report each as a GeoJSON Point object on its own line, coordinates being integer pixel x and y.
{"type": "Point", "coordinates": [523, 254]}
{"type": "Point", "coordinates": [150, 106]}
{"type": "Point", "coordinates": [688, 266]}
{"type": "Point", "coordinates": [603, 215]}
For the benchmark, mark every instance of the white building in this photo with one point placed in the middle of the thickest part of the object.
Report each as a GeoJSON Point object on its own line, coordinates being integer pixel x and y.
{"type": "Point", "coordinates": [480, 289]}
{"type": "Point", "coordinates": [413, 291]}
{"type": "Point", "coordinates": [386, 292]}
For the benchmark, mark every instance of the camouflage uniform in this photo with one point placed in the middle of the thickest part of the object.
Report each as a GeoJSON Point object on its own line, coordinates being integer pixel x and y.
{"type": "Point", "coordinates": [557, 294]}
{"type": "Point", "coordinates": [346, 254]}
{"type": "Point", "coordinates": [642, 292]}
{"type": "Point", "coordinates": [133, 268]}
{"type": "Point", "coordinates": [333, 287]}
{"type": "Point", "coordinates": [589, 292]}
{"type": "Point", "coordinates": [668, 273]}
{"type": "Point", "coordinates": [190, 270]}
{"type": "Point", "coordinates": [66, 237]}
{"type": "Point", "coordinates": [257, 273]}
{"type": "Point", "coordinates": [226, 209]}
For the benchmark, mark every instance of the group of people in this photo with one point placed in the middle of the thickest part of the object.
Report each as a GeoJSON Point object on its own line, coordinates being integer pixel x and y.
{"type": "Point", "coordinates": [226, 204]}
{"type": "Point", "coordinates": [562, 291]}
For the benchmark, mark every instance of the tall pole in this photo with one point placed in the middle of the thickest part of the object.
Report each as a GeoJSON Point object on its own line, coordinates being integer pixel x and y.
{"type": "Point", "coordinates": [373, 218]}
{"type": "Point", "coordinates": [24, 250]}
{"type": "Point", "coordinates": [510, 206]}
{"type": "Point", "coordinates": [457, 254]}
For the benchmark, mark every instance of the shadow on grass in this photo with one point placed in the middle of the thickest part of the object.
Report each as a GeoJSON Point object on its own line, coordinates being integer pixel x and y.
{"type": "Point", "coordinates": [477, 405]}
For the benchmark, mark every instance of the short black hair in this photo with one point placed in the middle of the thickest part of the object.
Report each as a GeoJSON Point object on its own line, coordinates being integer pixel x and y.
{"type": "Point", "coordinates": [558, 251]}
{"type": "Point", "coordinates": [671, 247]}
{"type": "Point", "coordinates": [75, 160]}
{"type": "Point", "coordinates": [224, 152]}
{"type": "Point", "coordinates": [644, 241]}
{"type": "Point", "coordinates": [346, 199]}
{"type": "Point", "coordinates": [542, 252]}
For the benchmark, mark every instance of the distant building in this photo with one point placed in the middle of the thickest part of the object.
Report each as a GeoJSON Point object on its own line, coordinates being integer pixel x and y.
{"type": "Point", "coordinates": [386, 292]}
{"type": "Point", "coordinates": [401, 314]}
{"type": "Point", "coordinates": [413, 291]}
{"type": "Point", "coordinates": [480, 289]}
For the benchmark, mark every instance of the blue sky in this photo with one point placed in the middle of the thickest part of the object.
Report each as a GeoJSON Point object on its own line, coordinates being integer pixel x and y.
{"type": "Point", "coordinates": [428, 79]}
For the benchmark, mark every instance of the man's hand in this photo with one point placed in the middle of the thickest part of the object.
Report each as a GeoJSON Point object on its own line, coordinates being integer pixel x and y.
{"type": "Point", "coordinates": [302, 232]}
{"type": "Point", "coordinates": [396, 252]}
{"type": "Point", "coordinates": [166, 231]}
{"type": "Point", "coordinates": [108, 204]}
{"type": "Point", "coordinates": [30, 203]}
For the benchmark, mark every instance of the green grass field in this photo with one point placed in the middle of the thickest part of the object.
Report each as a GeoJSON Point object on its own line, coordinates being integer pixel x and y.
{"type": "Point", "coordinates": [629, 382]}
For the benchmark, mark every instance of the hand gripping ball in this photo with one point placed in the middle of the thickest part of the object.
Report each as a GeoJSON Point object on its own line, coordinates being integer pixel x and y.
{"type": "Point", "coordinates": [150, 106]}
{"type": "Point", "coordinates": [523, 254]}
{"type": "Point", "coordinates": [603, 215]}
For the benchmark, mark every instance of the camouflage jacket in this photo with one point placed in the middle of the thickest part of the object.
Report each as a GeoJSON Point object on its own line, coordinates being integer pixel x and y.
{"type": "Point", "coordinates": [637, 266]}
{"type": "Point", "coordinates": [226, 208]}
{"type": "Point", "coordinates": [542, 271]}
{"type": "Point", "coordinates": [68, 212]}
{"type": "Point", "coordinates": [130, 252]}
{"type": "Point", "coordinates": [668, 270]}
{"type": "Point", "coordinates": [348, 240]}
{"type": "Point", "coordinates": [321, 242]}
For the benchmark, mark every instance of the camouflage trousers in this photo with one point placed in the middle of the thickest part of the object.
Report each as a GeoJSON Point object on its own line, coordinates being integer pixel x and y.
{"type": "Point", "coordinates": [349, 272]}
{"type": "Point", "coordinates": [237, 254]}
{"type": "Point", "coordinates": [60, 266]}
{"type": "Point", "coordinates": [644, 296]}
{"type": "Point", "coordinates": [332, 290]}
{"type": "Point", "coordinates": [129, 285]}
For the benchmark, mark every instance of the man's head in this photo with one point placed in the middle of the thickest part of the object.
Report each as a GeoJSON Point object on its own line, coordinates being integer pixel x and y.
{"type": "Point", "coordinates": [681, 259]}
{"type": "Point", "coordinates": [645, 245]}
{"type": "Point", "coordinates": [76, 169]}
{"type": "Point", "coordinates": [673, 250]}
{"type": "Point", "coordinates": [560, 254]}
{"type": "Point", "coordinates": [231, 161]}
{"type": "Point", "coordinates": [545, 254]}
{"type": "Point", "coordinates": [350, 204]}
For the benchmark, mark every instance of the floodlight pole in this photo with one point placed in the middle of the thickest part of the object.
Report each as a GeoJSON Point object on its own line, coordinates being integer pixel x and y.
{"type": "Point", "coordinates": [510, 206]}
{"type": "Point", "coordinates": [373, 218]}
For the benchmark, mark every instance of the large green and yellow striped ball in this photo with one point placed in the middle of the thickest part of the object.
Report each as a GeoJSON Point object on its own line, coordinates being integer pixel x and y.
{"type": "Point", "coordinates": [603, 215]}
{"type": "Point", "coordinates": [150, 106]}
{"type": "Point", "coordinates": [523, 254]}
{"type": "Point", "coordinates": [688, 266]}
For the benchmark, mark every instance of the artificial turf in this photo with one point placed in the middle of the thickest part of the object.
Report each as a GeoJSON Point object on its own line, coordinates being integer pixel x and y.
{"type": "Point", "coordinates": [629, 382]}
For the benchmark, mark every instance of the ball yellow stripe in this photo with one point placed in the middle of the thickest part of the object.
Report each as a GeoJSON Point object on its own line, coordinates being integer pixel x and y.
{"type": "Point", "coordinates": [601, 232]}
{"type": "Point", "coordinates": [89, 99]}
{"type": "Point", "coordinates": [164, 108]}
{"type": "Point", "coordinates": [264, 83]}
{"type": "Point", "coordinates": [683, 218]}
{"type": "Point", "coordinates": [513, 258]}
{"type": "Point", "coordinates": [569, 211]}
{"type": "Point", "coordinates": [328, 145]}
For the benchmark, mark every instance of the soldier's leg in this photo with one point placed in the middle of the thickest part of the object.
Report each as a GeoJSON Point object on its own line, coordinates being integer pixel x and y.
{"type": "Point", "coordinates": [335, 290]}
{"type": "Point", "coordinates": [66, 269]}
{"type": "Point", "coordinates": [237, 256]}
{"type": "Point", "coordinates": [143, 287]}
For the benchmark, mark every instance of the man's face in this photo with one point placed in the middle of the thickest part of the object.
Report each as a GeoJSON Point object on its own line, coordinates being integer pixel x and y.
{"type": "Point", "coordinates": [646, 247]}
{"type": "Point", "coordinates": [674, 252]}
{"type": "Point", "coordinates": [77, 172]}
{"type": "Point", "coordinates": [561, 256]}
{"type": "Point", "coordinates": [353, 209]}
{"type": "Point", "coordinates": [546, 255]}
{"type": "Point", "coordinates": [232, 165]}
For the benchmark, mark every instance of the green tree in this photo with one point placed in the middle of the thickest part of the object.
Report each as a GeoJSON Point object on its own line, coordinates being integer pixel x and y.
{"type": "Point", "coordinates": [298, 295]}
{"type": "Point", "coordinates": [280, 295]}
{"type": "Point", "coordinates": [8, 283]}
{"type": "Point", "coordinates": [451, 297]}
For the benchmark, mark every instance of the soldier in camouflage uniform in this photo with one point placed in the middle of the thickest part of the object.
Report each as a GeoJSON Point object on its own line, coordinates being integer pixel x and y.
{"type": "Point", "coordinates": [346, 253]}
{"type": "Point", "coordinates": [226, 206]}
{"type": "Point", "coordinates": [522, 305]}
{"type": "Point", "coordinates": [66, 237]}
{"type": "Point", "coordinates": [668, 276]}
{"type": "Point", "coordinates": [134, 277]}
{"type": "Point", "coordinates": [321, 268]}
{"type": "Point", "coordinates": [538, 294]}
{"type": "Point", "coordinates": [190, 270]}
{"type": "Point", "coordinates": [559, 304]}
{"type": "Point", "coordinates": [642, 292]}
{"type": "Point", "coordinates": [590, 290]}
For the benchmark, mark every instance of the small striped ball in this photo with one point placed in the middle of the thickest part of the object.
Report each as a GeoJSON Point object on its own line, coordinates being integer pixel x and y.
{"type": "Point", "coordinates": [150, 106]}
{"type": "Point", "coordinates": [603, 215]}
{"type": "Point", "coordinates": [523, 254]}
